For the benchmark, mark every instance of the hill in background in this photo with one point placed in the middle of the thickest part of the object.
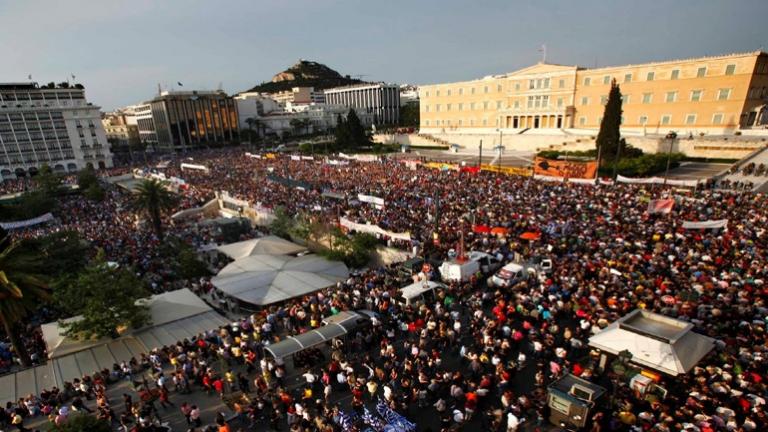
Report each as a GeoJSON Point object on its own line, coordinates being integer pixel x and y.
{"type": "Point", "coordinates": [305, 74]}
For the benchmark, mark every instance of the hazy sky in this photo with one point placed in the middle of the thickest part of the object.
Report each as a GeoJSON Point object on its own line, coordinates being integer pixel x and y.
{"type": "Point", "coordinates": [121, 50]}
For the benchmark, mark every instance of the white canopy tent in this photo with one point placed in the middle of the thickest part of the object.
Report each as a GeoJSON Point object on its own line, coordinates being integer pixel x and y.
{"type": "Point", "coordinates": [269, 245]}
{"type": "Point", "coordinates": [656, 341]}
{"type": "Point", "coordinates": [266, 279]}
{"type": "Point", "coordinates": [176, 315]}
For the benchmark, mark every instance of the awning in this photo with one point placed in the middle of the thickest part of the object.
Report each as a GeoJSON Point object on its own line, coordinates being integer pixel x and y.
{"type": "Point", "coordinates": [336, 326]}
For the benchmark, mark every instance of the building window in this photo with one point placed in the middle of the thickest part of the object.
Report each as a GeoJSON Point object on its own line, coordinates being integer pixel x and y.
{"type": "Point", "coordinates": [628, 78]}
{"type": "Point", "coordinates": [460, 122]}
{"type": "Point", "coordinates": [690, 119]}
{"type": "Point", "coordinates": [701, 72]}
{"type": "Point", "coordinates": [625, 99]}
{"type": "Point", "coordinates": [584, 100]}
{"type": "Point", "coordinates": [671, 96]}
{"type": "Point", "coordinates": [472, 90]}
{"type": "Point", "coordinates": [448, 92]}
{"type": "Point", "coordinates": [650, 76]}
{"type": "Point", "coordinates": [643, 120]}
{"type": "Point", "coordinates": [723, 94]}
{"type": "Point", "coordinates": [695, 95]}
{"type": "Point", "coordinates": [498, 88]}
{"type": "Point", "coordinates": [531, 84]}
{"type": "Point", "coordinates": [600, 120]}
{"type": "Point", "coordinates": [675, 74]}
{"type": "Point", "coordinates": [582, 121]}
{"type": "Point", "coordinates": [603, 100]}
{"type": "Point", "coordinates": [426, 122]}
{"type": "Point", "coordinates": [559, 102]}
{"type": "Point", "coordinates": [485, 122]}
{"type": "Point", "coordinates": [437, 108]}
{"type": "Point", "coordinates": [517, 104]}
{"type": "Point", "coordinates": [461, 91]}
{"type": "Point", "coordinates": [485, 106]}
{"type": "Point", "coordinates": [607, 79]}
{"type": "Point", "coordinates": [485, 89]}
{"type": "Point", "coordinates": [717, 119]}
{"type": "Point", "coordinates": [546, 82]}
{"type": "Point", "coordinates": [426, 108]}
{"type": "Point", "coordinates": [447, 107]}
{"type": "Point", "coordinates": [562, 83]}
{"type": "Point", "coordinates": [437, 93]}
{"type": "Point", "coordinates": [587, 81]}
{"type": "Point", "coordinates": [647, 98]}
{"type": "Point", "coordinates": [730, 69]}
{"type": "Point", "coordinates": [517, 86]}
{"type": "Point", "coordinates": [498, 105]}
{"type": "Point", "coordinates": [426, 93]}
{"type": "Point", "coordinates": [666, 119]}
{"type": "Point", "coordinates": [461, 107]}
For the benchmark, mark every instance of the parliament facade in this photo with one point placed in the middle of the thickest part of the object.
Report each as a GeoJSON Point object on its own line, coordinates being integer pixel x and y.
{"type": "Point", "coordinates": [703, 95]}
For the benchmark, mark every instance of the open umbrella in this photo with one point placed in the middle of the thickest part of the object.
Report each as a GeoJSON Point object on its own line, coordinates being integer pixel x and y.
{"type": "Point", "coordinates": [500, 231]}
{"type": "Point", "coordinates": [528, 235]}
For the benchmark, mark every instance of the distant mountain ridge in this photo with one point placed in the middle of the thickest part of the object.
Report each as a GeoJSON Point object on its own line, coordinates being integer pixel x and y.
{"type": "Point", "coordinates": [305, 74]}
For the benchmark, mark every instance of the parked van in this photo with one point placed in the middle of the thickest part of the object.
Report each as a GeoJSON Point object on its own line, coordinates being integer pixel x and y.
{"type": "Point", "coordinates": [422, 292]}
{"type": "Point", "coordinates": [457, 270]}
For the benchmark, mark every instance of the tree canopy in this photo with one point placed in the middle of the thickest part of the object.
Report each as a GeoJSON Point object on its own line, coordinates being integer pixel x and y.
{"type": "Point", "coordinates": [153, 199]}
{"type": "Point", "coordinates": [608, 139]}
{"type": "Point", "coordinates": [350, 132]}
{"type": "Point", "coordinates": [105, 297]}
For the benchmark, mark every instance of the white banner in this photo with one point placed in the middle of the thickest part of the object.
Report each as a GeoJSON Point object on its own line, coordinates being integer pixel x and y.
{"type": "Point", "coordinates": [590, 182]}
{"type": "Point", "coordinates": [360, 157]}
{"type": "Point", "coordinates": [29, 222]}
{"type": "Point", "coordinates": [252, 156]}
{"type": "Point", "coordinates": [194, 167]}
{"type": "Point", "coordinates": [709, 224]}
{"type": "Point", "coordinates": [337, 162]}
{"type": "Point", "coordinates": [371, 199]}
{"type": "Point", "coordinates": [373, 229]}
{"type": "Point", "coordinates": [307, 158]}
{"type": "Point", "coordinates": [657, 180]}
{"type": "Point", "coordinates": [295, 158]}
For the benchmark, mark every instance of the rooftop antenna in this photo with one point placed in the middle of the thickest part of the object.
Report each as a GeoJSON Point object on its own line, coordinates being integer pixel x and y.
{"type": "Point", "coordinates": [159, 90]}
{"type": "Point", "coordinates": [543, 51]}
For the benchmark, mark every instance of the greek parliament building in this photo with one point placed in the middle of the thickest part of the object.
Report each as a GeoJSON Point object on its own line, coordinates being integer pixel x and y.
{"type": "Point", "coordinates": [176, 120]}
{"type": "Point", "coordinates": [53, 125]}
{"type": "Point", "coordinates": [380, 101]}
{"type": "Point", "coordinates": [712, 95]}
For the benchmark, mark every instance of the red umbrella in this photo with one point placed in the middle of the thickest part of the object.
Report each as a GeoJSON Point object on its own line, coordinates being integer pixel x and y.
{"type": "Point", "coordinates": [500, 231]}
{"type": "Point", "coordinates": [481, 229]}
{"type": "Point", "coordinates": [528, 235]}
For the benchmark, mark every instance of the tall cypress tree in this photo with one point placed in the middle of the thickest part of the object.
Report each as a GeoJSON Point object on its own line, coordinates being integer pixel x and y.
{"type": "Point", "coordinates": [358, 135]}
{"type": "Point", "coordinates": [609, 137]}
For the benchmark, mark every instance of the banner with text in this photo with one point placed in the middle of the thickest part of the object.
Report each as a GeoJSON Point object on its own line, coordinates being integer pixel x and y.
{"type": "Point", "coordinates": [373, 229]}
{"type": "Point", "coordinates": [561, 168]}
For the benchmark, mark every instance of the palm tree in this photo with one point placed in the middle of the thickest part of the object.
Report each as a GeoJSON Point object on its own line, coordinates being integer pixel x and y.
{"type": "Point", "coordinates": [154, 199]}
{"type": "Point", "coordinates": [23, 287]}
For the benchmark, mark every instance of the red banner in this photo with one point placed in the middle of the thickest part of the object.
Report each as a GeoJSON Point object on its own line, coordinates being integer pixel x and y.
{"type": "Point", "coordinates": [567, 169]}
{"type": "Point", "coordinates": [470, 169]}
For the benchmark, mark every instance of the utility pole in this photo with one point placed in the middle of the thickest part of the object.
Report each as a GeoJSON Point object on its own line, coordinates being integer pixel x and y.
{"type": "Point", "coordinates": [669, 159]}
{"type": "Point", "coordinates": [480, 160]}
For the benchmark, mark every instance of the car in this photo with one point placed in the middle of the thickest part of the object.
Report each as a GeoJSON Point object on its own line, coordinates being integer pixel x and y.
{"type": "Point", "coordinates": [513, 273]}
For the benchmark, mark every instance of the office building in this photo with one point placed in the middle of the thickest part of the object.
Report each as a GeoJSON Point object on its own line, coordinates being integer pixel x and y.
{"type": "Point", "coordinates": [381, 101]}
{"type": "Point", "coordinates": [53, 125]}
{"type": "Point", "coordinates": [708, 95]}
{"type": "Point", "coordinates": [183, 119]}
{"type": "Point", "coordinates": [299, 95]}
{"type": "Point", "coordinates": [121, 127]}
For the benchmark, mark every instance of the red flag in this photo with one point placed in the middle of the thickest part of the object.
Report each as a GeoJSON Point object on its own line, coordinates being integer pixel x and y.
{"type": "Point", "coordinates": [484, 229]}
{"type": "Point", "coordinates": [470, 169]}
{"type": "Point", "coordinates": [662, 206]}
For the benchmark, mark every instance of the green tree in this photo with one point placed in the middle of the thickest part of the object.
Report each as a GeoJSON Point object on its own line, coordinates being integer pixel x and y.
{"type": "Point", "coordinates": [95, 192]}
{"type": "Point", "coordinates": [341, 134]}
{"type": "Point", "coordinates": [79, 422]}
{"type": "Point", "coordinates": [358, 136]}
{"type": "Point", "coordinates": [608, 139]}
{"type": "Point", "coordinates": [409, 115]}
{"type": "Point", "coordinates": [153, 199]}
{"type": "Point", "coordinates": [105, 296]}
{"type": "Point", "coordinates": [282, 225]}
{"type": "Point", "coordinates": [23, 288]}
{"type": "Point", "coordinates": [47, 181]}
{"type": "Point", "coordinates": [63, 252]}
{"type": "Point", "coordinates": [86, 178]}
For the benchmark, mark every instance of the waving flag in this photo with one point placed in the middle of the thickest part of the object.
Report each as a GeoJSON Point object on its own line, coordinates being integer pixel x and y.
{"type": "Point", "coordinates": [661, 206]}
{"type": "Point", "coordinates": [373, 421]}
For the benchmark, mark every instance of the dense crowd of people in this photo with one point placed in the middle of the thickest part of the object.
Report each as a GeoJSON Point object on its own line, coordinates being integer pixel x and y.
{"type": "Point", "coordinates": [475, 356]}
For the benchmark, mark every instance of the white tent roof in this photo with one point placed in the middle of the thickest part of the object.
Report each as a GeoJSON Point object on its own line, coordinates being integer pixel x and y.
{"type": "Point", "coordinates": [267, 279]}
{"type": "Point", "coordinates": [656, 341]}
{"type": "Point", "coordinates": [176, 315]}
{"type": "Point", "coordinates": [269, 245]}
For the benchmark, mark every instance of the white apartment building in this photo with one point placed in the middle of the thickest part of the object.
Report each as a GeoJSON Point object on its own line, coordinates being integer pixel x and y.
{"type": "Point", "coordinates": [268, 117]}
{"type": "Point", "coordinates": [299, 95]}
{"type": "Point", "coordinates": [51, 125]}
{"type": "Point", "coordinates": [380, 100]}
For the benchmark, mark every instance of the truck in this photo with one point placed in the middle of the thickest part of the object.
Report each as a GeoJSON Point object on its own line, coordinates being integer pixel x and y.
{"type": "Point", "coordinates": [513, 273]}
{"type": "Point", "coordinates": [462, 270]}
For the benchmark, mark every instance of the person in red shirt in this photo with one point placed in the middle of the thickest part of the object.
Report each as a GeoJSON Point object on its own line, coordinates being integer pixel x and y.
{"type": "Point", "coordinates": [218, 385]}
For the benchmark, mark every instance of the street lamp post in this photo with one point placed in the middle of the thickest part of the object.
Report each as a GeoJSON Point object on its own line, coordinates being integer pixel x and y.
{"type": "Point", "coordinates": [669, 159]}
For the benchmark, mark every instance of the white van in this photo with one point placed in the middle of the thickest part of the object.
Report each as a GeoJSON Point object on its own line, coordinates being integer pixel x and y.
{"type": "Point", "coordinates": [509, 275]}
{"type": "Point", "coordinates": [421, 292]}
{"type": "Point", "coordinates": [455, 270]}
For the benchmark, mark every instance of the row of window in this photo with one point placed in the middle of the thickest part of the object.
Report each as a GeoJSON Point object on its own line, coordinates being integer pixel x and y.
{"type": "Point", "coordinates": [695, 96]}
{"type": "Point", "coordinates": [701, 72]}
{"type": "Point", "coordinates": [448, 92]}
{"type": "Point", "coordinates": [459, 122]}
{"type": "Point", "coordinates": [470, 106]}
{"type": "Point", "coordinates": [666, 120]}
